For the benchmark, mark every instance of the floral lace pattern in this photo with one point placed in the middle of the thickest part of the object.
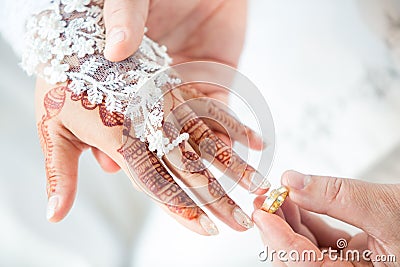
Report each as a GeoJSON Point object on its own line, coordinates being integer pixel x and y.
{"type": "Point", "coordinates": [66, 43]}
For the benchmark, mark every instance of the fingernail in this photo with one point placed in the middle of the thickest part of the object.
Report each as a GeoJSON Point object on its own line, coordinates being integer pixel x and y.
{"type": "Point", "coordinates": [208, 225]}
{"type": "Point", "coordinates": [296, 180]}
{"type": "Point", "coordinates": [242, 219]}
{"type": "Point", "coordinates": [114, 37]}
{"type": "Point", "coordinates": [51, 207]}
{"type": "Point", "coordinates": [265, 184]}
{"type": "Point", "coordinates": [258, 182]}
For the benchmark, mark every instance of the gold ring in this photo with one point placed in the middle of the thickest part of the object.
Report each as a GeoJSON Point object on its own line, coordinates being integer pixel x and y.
{"type": "Point", "coordinates": [275, 199]}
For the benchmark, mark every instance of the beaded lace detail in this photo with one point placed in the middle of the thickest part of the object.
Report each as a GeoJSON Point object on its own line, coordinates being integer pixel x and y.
{"type": "Point", "coordinates": [66, 43]}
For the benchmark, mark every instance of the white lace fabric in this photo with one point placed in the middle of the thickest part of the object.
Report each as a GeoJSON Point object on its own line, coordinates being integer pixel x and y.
{"type": "Point", "coordinates": [65, 43]}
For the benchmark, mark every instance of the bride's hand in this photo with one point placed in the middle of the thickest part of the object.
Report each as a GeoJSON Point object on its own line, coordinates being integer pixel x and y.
{"type": "Point", "coordinates": [68, 124]}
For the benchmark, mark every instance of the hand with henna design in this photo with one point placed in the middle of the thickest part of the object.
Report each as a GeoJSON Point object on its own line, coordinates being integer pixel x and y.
{"type": "Point", "coordinates": [68, 124]}
{"type": "Point", "coordinates": [87, 111]}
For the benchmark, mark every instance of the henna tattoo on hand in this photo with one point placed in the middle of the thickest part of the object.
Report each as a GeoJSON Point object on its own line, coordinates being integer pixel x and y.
{"type": "Point", "coordinates": [202, 137]}
{"type": "Point", "coordinates": [54, 101]}
{"type": "Point", "coordinates": [193, 164]}
{"type": "Point", "coordinates": [108, 118]}
{"type": "Point", "coordinates": [222, 120]}
{"type": "Point", "coordinates": [155, 177]}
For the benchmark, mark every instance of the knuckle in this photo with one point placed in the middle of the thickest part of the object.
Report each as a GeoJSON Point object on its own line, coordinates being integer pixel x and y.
{"type": "Point", "coordinates": [219, 203]}
{"type": "Point", "coordinates": [335, 189]}
{"type": "Point", "coordinates": [387, 200]}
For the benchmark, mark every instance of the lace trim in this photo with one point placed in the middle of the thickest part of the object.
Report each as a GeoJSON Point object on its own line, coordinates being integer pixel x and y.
{"type": "Point", "coordinates": [66, 42]}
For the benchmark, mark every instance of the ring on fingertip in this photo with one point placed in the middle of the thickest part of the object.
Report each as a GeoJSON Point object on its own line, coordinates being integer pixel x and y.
{"type": "Point", "coordinates": [275, 199]}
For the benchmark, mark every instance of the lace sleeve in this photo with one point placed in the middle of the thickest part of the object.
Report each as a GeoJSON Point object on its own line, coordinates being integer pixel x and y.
{"type": "Point", "coordinates": [65, 42]}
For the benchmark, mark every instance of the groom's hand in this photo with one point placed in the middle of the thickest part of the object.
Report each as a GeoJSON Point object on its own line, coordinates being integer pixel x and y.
{"type": "Point", "coordinates": [374, 208]}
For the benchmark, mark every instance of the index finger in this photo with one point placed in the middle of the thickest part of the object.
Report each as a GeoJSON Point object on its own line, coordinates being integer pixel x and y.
{"type": "Point", "coordinates": [124, 22]}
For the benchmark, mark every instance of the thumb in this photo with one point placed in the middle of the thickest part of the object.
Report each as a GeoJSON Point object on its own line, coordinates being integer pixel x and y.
{"type": "Point", "coordinates": [124, 22]}
{"type": "Point", "coordinates": [364, 205]}
{"type": "Point", "coordinates": [61, 158]}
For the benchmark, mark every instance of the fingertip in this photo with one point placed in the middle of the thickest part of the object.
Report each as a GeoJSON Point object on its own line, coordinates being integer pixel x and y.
{"type": "Point", "coordinates": [122, 42]}
{"type": "Point", "coordinates": [259, 184]}
{"type": "Point", "coordinates": [243, 222]}
{"type": "Point", "coordinates": [266, 221]}
{"type": "Point", "coordinates": [114, 40]}
{"type": "Point", "coordinates": [110, 166]}
{"type": "Point", "coordinates": [52, 206]}
{"type": "Point", "coordinates": [257, 143]}
{"type": "Point", "coordinates": [284, 177]}
{"type": "Point", "coordinates": [277, 233]}
{"type": "Point", "coordinates": [258, 217]}
{"type": "Point", "coordinates": [58, 207]}
{"type": "Point", "coordinates": [124, 22]}
{"type": "Point", "coordinates": [208, 226]}
{"type": "Point", "coordinates": [258, 201]}
{"type": "Point", "coordinates": [292, 178]}
{"type": "Point", "coordinates": [260, 191]}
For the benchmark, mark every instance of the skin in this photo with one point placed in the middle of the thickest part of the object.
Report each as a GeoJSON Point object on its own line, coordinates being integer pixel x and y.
{"type": "Point", "coordinates": [212, 25]}
{"type": "Point", "coordinates": [64, 137]}
{"type": "Point", "coordinates": [191, 29]}
{"type": "Point", "coordinates": [374, 208]}
{"type": "Point", "coordinates": [226, 158]}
